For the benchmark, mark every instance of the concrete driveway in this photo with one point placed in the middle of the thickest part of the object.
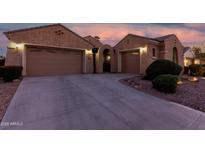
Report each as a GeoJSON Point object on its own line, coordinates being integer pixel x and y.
{"type": "Point", "coordinates": [93, 102]}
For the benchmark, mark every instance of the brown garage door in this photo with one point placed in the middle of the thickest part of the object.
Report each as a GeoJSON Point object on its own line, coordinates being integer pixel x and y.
{"type": "Point", "coordinates": [53, 62]}
{"type": "Point", "coordinates": [131, 62]}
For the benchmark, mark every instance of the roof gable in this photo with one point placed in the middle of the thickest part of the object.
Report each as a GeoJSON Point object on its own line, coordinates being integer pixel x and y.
{"type": "Point", "coordinates": [47, 32]}
{"type": "Point", "coordinates": [146, 39]}
{"type": "Point", "coordinates": [188, 53]}
{"type": "Point", "coordinates": [162, 38]}
{"type": "Point", "coordinates": [93, 41]}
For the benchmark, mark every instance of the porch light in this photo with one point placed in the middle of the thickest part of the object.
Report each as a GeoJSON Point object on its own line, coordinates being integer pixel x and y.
{"type": "Point", "coordinates": [89, 52]}
{"type": "Point", "coordinates": [143, 49]}
{"type": "Point", "coordinates": [17, 46]}
{"type": "Point", "coordinates": [108, 57]}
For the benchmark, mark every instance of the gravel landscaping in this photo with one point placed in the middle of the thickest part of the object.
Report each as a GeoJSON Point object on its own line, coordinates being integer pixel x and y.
{"type": "Point", "coordinates": [191, 94]}
{"type": "Point", "coordinates": [7, 91]}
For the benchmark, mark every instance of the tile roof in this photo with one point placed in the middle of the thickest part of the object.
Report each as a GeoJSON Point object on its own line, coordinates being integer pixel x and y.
{"type": "Point", "coordinates": [162, 38]}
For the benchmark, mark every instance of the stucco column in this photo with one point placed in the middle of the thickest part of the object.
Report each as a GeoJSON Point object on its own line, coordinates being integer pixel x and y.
{"type": "Point", "coordinates": [23, 53]}
{"type": "Point", "coordinates": [84, 61]}
{"type": "Point", "coordinates": [119, 62]}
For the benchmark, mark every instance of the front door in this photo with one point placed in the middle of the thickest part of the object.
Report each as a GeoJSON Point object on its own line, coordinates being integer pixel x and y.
{"type": "Point", "coordinates": [106, 62]}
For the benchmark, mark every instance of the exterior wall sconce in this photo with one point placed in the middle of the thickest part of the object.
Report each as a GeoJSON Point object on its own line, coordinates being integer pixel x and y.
{"type": "Point", "coordinates": [16, 46]}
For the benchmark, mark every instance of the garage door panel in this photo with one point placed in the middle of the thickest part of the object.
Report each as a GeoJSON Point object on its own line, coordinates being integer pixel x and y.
{"type": "Point", "coordinates": [131, 62]}
{"type": "Point", "coordinates": [53, 62]}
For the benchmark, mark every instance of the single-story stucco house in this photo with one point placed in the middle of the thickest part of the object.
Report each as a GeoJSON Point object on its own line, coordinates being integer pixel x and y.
{"type": "Point", "coordinates": [56, 50]}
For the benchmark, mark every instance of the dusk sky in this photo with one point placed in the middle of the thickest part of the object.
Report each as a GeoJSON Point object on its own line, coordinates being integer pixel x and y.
{"type": "Point", "coordinates": [189, 33]}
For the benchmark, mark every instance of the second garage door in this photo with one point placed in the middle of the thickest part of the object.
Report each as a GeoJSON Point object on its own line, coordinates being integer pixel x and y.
{"type": "Point", "coordinates": [130, 62]}
{"type": "Point", "coordinates": [42, 62]}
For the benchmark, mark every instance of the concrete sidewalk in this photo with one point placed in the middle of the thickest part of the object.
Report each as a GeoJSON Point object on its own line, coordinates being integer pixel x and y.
{"type": "Point", "coordinates": [93, 102]}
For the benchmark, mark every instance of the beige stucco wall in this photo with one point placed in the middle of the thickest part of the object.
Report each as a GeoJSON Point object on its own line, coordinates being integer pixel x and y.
{"type": "Point", "coordinates": [132, 42]}
{"type": "Point", "coordinates": [13, 57]}
{"type": "Point", "coordinates": [170, 43]}
{"type": "Point", "coordinates": [50, 36]}
{"type": "Point", "coordinates": [89, 63]}
{"type": "Point", "coordinates": [93, 41]}
{"type": "Point", "coordinates": [147, 56]}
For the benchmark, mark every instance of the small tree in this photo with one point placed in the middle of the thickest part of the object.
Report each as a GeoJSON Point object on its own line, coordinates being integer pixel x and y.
{"type": "Point", "coordinates": [196, 50]}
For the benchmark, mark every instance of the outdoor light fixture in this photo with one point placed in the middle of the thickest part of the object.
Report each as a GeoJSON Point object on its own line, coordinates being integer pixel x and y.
{"type": "Point", "coordinates": [88, 52]}
{"type": "Point", "coordinates": [17, 46]}
{"type": "Point", "coordinates": [108, 57]}
{"type": "Point", "coordinates": [143, 49]}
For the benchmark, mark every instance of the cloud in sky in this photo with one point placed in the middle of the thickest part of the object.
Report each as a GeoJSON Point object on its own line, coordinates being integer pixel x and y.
{"type": "Point", "coordinates": [114, 32]}
{"type": "Point", "coordinates": [188, 33]}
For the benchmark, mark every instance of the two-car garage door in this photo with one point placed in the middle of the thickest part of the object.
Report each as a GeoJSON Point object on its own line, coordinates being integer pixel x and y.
{"type": "Point", "coordinates": [53, 62]}
{"type": "Point", "coordinates": [130, 62]}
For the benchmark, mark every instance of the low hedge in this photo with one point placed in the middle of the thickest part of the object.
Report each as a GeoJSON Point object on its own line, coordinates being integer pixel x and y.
{"type": "Point", "coordinates": [166, 83]}
{"type": "Point", "coordinates": [197, 70]}
{"type": "Point", "coordinates": [10, 73]}
{"type": "Point", "coordinates": [160, 67]}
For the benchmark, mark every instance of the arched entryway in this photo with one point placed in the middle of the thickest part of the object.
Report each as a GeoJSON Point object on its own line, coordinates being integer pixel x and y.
{"type": "Point", "coordinates": [106, 61]}
{"type": "Point", "coordinates": [175, 55]}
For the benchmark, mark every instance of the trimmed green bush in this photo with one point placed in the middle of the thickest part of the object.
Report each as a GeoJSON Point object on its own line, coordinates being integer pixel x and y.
{"type": "Point", "coordinates": [10, 73]}
{"type": "Point", "coordinates": [160, 67]}
{"type": "Point", "coordinates": [166, 83]}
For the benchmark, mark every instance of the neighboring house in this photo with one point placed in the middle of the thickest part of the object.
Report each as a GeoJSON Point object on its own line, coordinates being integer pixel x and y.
{"type": "Point", "coordinates": [189, 57]}
{"type": "Point", "coordinates": [56, 50]}
{"type": "Point", "coordinates": [200, 58]}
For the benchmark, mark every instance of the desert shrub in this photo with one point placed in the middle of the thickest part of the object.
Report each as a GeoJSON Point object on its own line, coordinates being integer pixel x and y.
{"type": "Point", "coordinates": [197, 70]}
{"type": "Point", "coordinates": [160, 67]}
{"type": "Point", "coordinates": [194, 68]}
{"type": "Point", "coordinates": [10, 73]}
{"type": "Point", "coordinates": [201, 71]}
{"type": "Point", "coordinates": [166, 83]}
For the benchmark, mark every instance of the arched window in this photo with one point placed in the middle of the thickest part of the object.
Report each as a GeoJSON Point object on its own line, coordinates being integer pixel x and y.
{"type": "Point", "coordinates": [175, 55]}
{"type": "Point", "coordinates": [153, 52]}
